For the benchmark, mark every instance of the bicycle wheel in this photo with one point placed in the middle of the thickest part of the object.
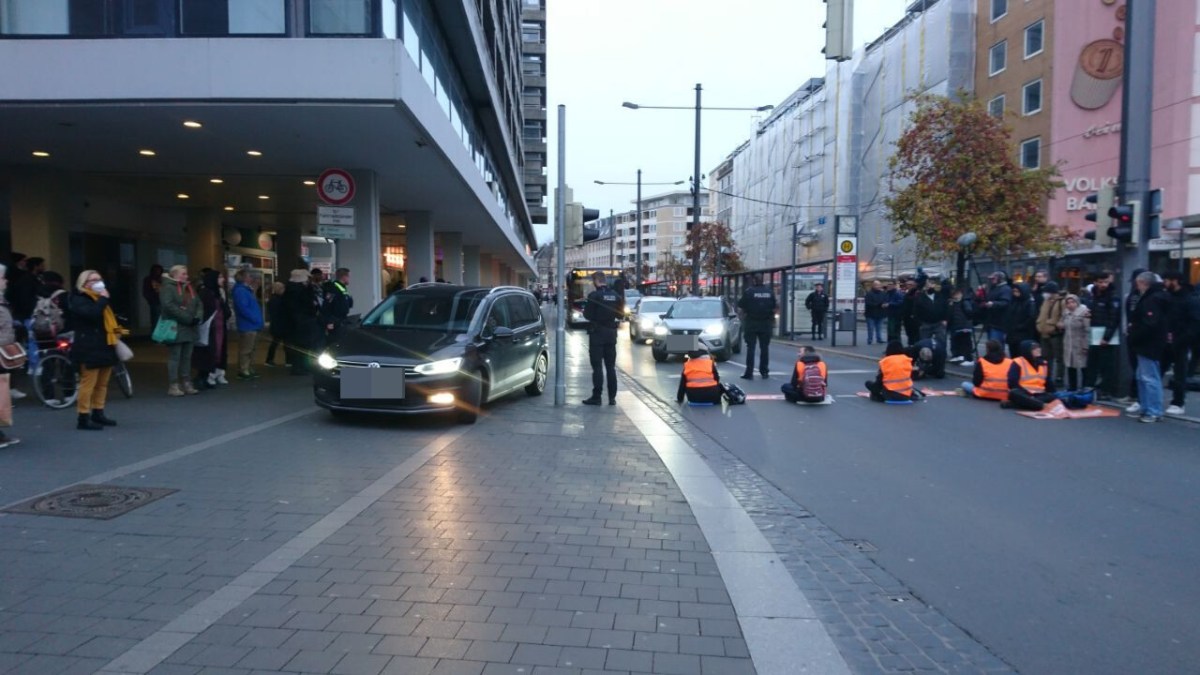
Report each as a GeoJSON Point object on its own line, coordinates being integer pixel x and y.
{"type": "Point", "coordinates": [124, 381]}
{"type": "Point", "coordinates": [56, 381]}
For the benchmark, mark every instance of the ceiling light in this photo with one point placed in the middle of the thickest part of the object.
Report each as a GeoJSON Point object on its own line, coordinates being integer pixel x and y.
{"type": "Point", "coordinates": [147, 153]}
{"type": "Point", "coordinates": [40, 153]}
{"type": "Point", "coordinates": [254, 153]}
{"type": "Point", "coordinates": [310, 183]}
{"type": "Point", "coordinates": [183, 196]}
{"type": "Point", "coordinates": [228, 208]}
{"type": "Point", "coordinates": [264, 196]}
{"type": "Point", "coordinates": [215, 181]}
{"type": "Point", "coordinates": [192, 124]}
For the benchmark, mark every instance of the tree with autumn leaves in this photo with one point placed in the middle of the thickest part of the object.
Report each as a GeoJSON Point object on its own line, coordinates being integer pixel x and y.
{"type": "Point", "coordinates": [954, 171]}
{"type": "Point", "coordinates": [718, 250]}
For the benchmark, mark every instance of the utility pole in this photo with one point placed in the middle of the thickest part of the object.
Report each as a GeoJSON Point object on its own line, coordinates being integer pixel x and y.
{"type": "Point", "coordinates": [638, 273]}
{"type": "Point", "coordinates": [560, 227]}
{"type": "Point", "coordinates": [696, 204]}
{"type": "Point", "coordinates": [612, 238]}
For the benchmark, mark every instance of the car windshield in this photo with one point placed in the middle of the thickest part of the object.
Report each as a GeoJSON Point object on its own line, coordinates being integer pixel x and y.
{"type": "Point", "coordinates": [655, 306]}
{"type": "Point", "coordinates": [413, 310]}
{"type": "Point", "coordinates": [704, 309]}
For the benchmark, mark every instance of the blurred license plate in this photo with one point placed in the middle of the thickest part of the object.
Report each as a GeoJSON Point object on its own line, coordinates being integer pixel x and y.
{"type": "Point", "coordinates": [682, 343]}
{"type": "Point", "coordinates": [372, 383]}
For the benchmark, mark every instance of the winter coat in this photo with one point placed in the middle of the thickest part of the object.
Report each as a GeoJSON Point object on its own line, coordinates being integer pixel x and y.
{"type": "Point", "coordinates": [1020, 317]}
{"type": "Point", "coordinates": [929, 309]}
{"type": "Point", "coordinates": [90, 346]}
{"type": "Point", "coordinates": [874, 301]}
{"type": "Point", "coordinates": [301, 307]}
{"type": "Point", "coordinates": [205, 358]}
{"type": "Point", "coordinates": [277, 317]}
{"type": "Point", "coordinates": [246, 308]}
{"type": "Point", "coordinates": [959, 315]}
{"type": "Point", "coordinates": [1000, 296]}
{"type": "Point", "coordinates": [1184, 316]}
{"type": "Point", "coordinates": [180, 303]}
{"type": "Point", "coordinates": [1077, 332]}
{"type": "Point", "coordinates": [1050, 316]}
{"type": "Point", "coordinates": [1148, 323]}
{"type": "Point", "coordinates": [1106, 312]}
{"type": "Point", "coordinates": [895, 300]}
{"type": "Point", "coordinates": [817, 303]}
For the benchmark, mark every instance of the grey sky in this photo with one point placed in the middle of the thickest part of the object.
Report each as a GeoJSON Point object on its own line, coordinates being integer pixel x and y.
{"type": "Point", "coordinates": [745, 53]}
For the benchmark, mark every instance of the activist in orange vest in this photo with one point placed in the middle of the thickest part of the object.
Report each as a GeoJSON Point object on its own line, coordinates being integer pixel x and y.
{"type": "Point", "coordinates": [699, 382]}
{"type": "Point", "coordinates": [894, 381]}
{"type": "Point", "coordinates": [991, 374]}
{"type": "Point", "coordinates": [802, 388]}
{"type": "Point", "coordinates": [1028, 386]}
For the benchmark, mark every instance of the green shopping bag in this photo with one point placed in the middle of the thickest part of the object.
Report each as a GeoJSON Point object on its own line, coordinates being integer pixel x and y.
{"type": "Point", "coordinates": [166, 331]}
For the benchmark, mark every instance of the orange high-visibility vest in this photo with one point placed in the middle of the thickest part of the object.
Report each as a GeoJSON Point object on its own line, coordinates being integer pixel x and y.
{"type": "Point", "coordinates": [800, 371]}
{"type": "Point", "coordinates": [897, 374]}
{"type": "Point", "coordinates": [1033, 380]}
{"type": "Point", "coordinates": [698, 373]}
{"type": "Point", "coordinates": [995, 380]}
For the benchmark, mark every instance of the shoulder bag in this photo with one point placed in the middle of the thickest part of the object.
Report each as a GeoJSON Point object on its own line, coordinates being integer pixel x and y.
{"type": "Point", "coordinates": [12, 356]}
{"type": "Point", "coordinates": [166, 331]}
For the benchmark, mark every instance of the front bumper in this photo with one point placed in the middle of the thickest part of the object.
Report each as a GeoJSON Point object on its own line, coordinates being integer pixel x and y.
{"type": "Point", "coordinates": [327, 391]}
{"type": "Point", "coordinates": [712, 344]}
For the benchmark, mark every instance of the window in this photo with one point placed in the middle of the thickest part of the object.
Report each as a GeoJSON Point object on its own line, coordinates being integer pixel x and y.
{"type": "Point", "coordinates": [999, 9]}
{"type": "Point", "coordinates": [1033, 39]}
{"type": "Point", "coordinates": [232, 17]}
{"type": "Point", "coordinates": [996, 107]}
{"type": "Point", "coordinates": [521, 310]}
{"type": "Point", "coordinates": [1031, 153]}
{"type": "Point", "coordinates": [34, 17]}
{"type": "Point", "coordinates": [340, 17]}
{"type": "Point", "coordinates": [1031, 95]}
{"type": "Point", "coordinates": [998, 58]}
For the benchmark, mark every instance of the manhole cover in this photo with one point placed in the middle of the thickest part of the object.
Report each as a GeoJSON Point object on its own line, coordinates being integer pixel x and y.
{"type": "Point", "coordinates": [90, 501]}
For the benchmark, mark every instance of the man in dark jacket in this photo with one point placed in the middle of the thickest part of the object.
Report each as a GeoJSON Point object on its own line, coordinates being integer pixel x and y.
{"type": "Point", "coordinates": [1105, 307]}
{"type": "Point", "coordinates": [876, 311]}
{"type": "Point", "coordinates": [908, 312]}
{"type": "Point", "coordinates": [302, 307]}
{"type": "Point", "coordinates": [1131, 300]}
{"type": "Point", "coordinates": [931, 307]}
{"type": "Point", "coordinates": [757, 308]}
{"type": "Point", "coordinates": [961, 327]}
{"type": "Point", "coordinates": [895, 311]}
{"type": "Point", "coordinates": [1183, 325]}
{"type": "Point", "coordinates": [1148, 330]}
{"type": "Point", "coordinates": [999, 296]}
{"type": "Point", "coordinates": [817, 303]}
{"type": "Point", "coordinates": [1020, 319]}
{"type": "Point", "coordinates": [337, 303]}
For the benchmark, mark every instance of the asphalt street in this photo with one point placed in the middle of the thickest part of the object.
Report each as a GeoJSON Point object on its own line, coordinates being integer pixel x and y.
{"type": "Point", "coordinates": [1062, 546]}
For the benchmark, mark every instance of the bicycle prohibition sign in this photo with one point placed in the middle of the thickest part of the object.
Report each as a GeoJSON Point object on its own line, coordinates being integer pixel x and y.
{"type": "Point", "coordinates": [335, 186]}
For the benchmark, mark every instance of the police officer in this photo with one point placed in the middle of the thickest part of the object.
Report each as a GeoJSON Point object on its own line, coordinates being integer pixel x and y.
{"type": "Point", "coordinates": [603, 312]}
{"type": "Point", "coordinates": [757, 310]}
{"type": "Point", "coordinates": [336, 302]}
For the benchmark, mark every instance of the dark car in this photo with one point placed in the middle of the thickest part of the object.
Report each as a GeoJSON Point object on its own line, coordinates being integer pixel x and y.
{"type": "Point", "coordinates": [436, 348]}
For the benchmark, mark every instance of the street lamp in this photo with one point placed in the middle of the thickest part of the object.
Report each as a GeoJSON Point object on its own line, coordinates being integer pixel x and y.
{"type": "Point", "coordinates": [638, 269]}
{"type": "Point", "coordinates": [696, 172]}
{"type": "Point", "coordinates": [965, 242]}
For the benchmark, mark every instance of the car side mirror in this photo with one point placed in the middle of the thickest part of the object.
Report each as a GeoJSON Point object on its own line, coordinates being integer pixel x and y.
{"type": "Point", "coordinates": [502, 332]}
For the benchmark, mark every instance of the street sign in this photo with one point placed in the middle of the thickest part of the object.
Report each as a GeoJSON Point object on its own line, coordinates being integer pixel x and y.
{"type": "Point", "coordinates": [335, 215]}
{"type": "Point", "coordinates": [336, 232]}
{"type": "Point", "coordinates": [846, 272]}
{"type": "Point", "coordinates": [335, 186]}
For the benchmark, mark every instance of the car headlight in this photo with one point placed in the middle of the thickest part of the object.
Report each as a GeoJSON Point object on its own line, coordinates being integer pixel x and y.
{"type": "Point", "coordinates": [439, 367]}
{"type": "Point", "coordinates": [713, 330]}
{"type": "Point", "coordinates": [660, 330]}
{"type": "Point", "coordinates": [326, 361]}
{"type": "Point", "coordinates": [576, 314]}
{"type": "Point", "coordinates": [647, 323]}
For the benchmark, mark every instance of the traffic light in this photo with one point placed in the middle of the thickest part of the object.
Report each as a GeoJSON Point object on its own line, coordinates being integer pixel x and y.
{"type": "Point", "coordinates": [1104, 201]}
{"type": "Point", "coordinates": [1126, 222]}
{"type": "Point", "coordinates": [590, 215]}
{"type": "Point", "coordinates": [1154, 209]}
{"type": "Point", "coordinates": [839, 33]}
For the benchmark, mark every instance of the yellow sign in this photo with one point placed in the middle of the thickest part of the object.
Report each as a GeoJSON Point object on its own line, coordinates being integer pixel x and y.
{"type": "Point", "coordinates": [847, 246]}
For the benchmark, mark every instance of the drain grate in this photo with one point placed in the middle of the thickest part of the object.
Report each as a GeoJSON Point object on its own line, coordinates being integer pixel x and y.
{"type": "Point", "coordinates": [861, 545]}
{"type": "Point", "coordinates": [101, 502]}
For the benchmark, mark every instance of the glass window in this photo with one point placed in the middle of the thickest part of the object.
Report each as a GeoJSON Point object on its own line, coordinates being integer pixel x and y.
{"type": "Point", "coordinates": [996, 107]}
{"type": "Point", "coordinates": [1031, 153]}
{"type": "Point", "coordinates": [91, 18]}
{"type": "Point", "coordinates": [1033, 39]}
{"type": "Point", "coordinates": [340, 17]}
{"type": "Point", "coordinates": [34, 17]}
{"type": "Point", "coordinates": [998, 57]}
{"type": "Point", "coordinates": [520, 312]}
{"type": "Point", "coordinates": [414, 310]}
{"type": "Point", "coordinates": [232, 17]}
{"type": "Point", "coordinates": [1032, 97]}
{"type": "Point", "coordinates": [146, 17]}
{"type": "Point", "coordinates": [387, 19]}
{"type": "Point", "coordinates": [999, 9]}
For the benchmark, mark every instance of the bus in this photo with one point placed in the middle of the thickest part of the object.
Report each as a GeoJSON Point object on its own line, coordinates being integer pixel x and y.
{"type": "Point", "coordinates": [579, 284]}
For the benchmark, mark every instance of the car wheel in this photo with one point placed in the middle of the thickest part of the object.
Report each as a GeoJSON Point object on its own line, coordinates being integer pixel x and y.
{"type": "Point", "coordinates": [659, 356]}
{"type": "Point", "coordinates": [632, 332]}
{"type": "Point", "coordinates": [722, 355]}
{"type": "Point", "coordinates": [540, 368]}
{"type": "Point", "coordinates": [471, 399]}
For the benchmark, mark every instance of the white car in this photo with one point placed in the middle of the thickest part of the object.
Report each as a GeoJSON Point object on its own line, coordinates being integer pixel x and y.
{"type": "Point", "coordinates": [709, 322]}
{"type": "Point", "coordinates": [645, 317]}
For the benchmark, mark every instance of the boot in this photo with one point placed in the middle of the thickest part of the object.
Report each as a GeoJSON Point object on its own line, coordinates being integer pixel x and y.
{"type": "Point", "coordinates": [174, 390]}
{"type": "Point", "coordinates": [85, 422]}
{"type": "Point", "coordinates": [220, 376]}
{"type": "Point", "coordinates": [100, 418]}
{"type": "Point", "coordinates": [188, 388]}
{"type": "Point", "coordinates": [211, 381]}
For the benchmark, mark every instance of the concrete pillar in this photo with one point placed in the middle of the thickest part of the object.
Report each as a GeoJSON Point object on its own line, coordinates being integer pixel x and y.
{"type": "Point", "coordinates": [471, 258]}
{"type": "Point", "coordinates": [363, 255]}
{"type": "Point", "coordinates": [487, 275]}
{"type": "Point", "coordinates": [419, 260]}
{"type": "Point", "coordinates": [452, 256]}
{"type": "Point", "coordinates": [39, 214]}
{"type": "Point", "coordinates": [494, 274]}
{"type": "Point", "coordinates": [204, 247]}
{"type": "Point", "coordinates": [287, 250]}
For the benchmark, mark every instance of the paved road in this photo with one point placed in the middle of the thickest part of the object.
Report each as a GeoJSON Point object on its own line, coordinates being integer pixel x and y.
{"type": "Point", "coordinates": [1065, 546]}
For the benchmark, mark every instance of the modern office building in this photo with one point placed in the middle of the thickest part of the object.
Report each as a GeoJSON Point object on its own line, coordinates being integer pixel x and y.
{"type": "Point", "coordinates": [533, 104]}
{"type": "Point", "coordinates": [195, 131]}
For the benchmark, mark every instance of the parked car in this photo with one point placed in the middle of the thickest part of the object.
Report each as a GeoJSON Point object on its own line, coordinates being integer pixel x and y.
{"type": "Point", "coordinates": [436, 348]}
{"type": "Point", "coordinates": [710, 322]}
{"type": "Point", "coordinates": [632, 298]}
{"type": "Point", "coordinates": [646, 316]}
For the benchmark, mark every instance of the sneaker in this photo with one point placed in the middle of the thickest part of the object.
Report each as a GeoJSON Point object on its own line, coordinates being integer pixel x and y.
{"type": "Point", "coordinates": [967, 364]}
{"type": "Point", "coordinates": [1125, 400]}
{"type": "Point", "coordinates": [1135, 409]}
{"type": "Point", "coordinates": [1149, 419]}
{"type": "Point", "coordinates": [959, 391]}
{"type": "Point", "coordinates": [245, 376]}
{"type": "Point", "coordinates": [1175, 410]}
{"type": "Point", "coordinates": [595, 400]}
{"type": "Point", "coordinates": [17, 394]}
{"type": "Point", "coordinates": [956, 359]}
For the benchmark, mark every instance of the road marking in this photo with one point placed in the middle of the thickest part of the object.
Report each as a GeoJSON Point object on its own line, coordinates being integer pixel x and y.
{"type": "Point", "coordinates": [186, 450]}
{"type": "Point", "coordinates": [153, 650]}
{"type": "Point", "coordinates": [851, 372]}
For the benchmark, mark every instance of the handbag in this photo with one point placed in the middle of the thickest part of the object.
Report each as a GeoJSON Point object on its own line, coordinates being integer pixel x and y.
{"type": "Point", "coordinates": [205, 330]}
{"type": "Point", "coordinates": [166, 331]}
{"type": "Point", "coordinates": [12, 356]}
{"type": "Point", "coordinates": [124, 353]}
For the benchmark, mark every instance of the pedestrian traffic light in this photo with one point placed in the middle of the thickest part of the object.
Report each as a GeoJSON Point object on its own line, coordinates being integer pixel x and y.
{"type": "Point", "coordinates": [1104, 201]}
{"type": "Point", "coordinates": [1154, 209]}
{"type": "Point", "coordinates": [590, 215]}
{"type": "Point", "coordinates": [839, 41]}
{"type": "Point", "coordinates": [1126, 222]}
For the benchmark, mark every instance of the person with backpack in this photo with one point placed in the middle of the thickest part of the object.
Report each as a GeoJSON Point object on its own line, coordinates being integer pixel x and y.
{"type": "Point", "coordinates": [50, 312]}
{"type": "Point", "coordinates": [699, 382]}
{"type": "Point", "coordinates": [810, 379]}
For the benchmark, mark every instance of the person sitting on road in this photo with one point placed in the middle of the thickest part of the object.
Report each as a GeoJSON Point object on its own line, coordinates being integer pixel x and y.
{"type": "Point", "coordinates": [990, 380]}
{"type": "Point", "coordinates": [810, 379]}
{"type": "Point", "coordinates": [894, 381]}
{"type": "Point", "coordinates": [699, 382]}
{"type": "Point", "coordinates": [929, 359]}
{"type": "Point", "coordinates": [1029, 388]}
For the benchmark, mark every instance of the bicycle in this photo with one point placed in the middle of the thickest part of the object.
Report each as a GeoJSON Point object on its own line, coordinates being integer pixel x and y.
{"type": "Point", "coordinates": [56, 378]}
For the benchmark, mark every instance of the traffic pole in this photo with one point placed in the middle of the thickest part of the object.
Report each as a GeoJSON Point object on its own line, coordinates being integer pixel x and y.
{"type": "Point", "coordinates": [560, 228]}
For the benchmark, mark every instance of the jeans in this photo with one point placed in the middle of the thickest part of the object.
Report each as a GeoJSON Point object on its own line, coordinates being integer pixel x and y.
{"type": "Point", "coordinates": [969, 387]}
{"type": "Point", "coordinates": [874, 329]}
{"type": "Point", "coordinates": [246, 344]}
{"type": "Point", "coordinates": [893, 328]}
{"type": "Point", "coordinates": [1149, 386]}
{"type": "Point", "coordinates": [997, 335]}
